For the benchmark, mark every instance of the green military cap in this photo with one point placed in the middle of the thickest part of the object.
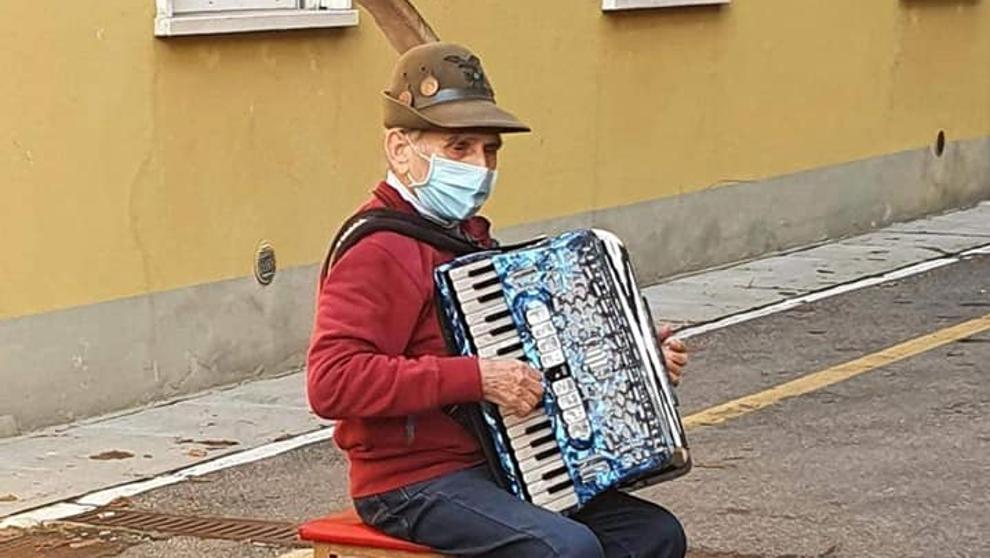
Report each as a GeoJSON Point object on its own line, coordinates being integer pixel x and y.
{"type": "Point", "coordinates": [442, 85]}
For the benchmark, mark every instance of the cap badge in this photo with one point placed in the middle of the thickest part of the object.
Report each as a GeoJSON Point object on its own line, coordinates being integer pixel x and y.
{"type": "Point", "coordinates": [429, 86]}
{"type": "Point", "coordinates": [471, 67]}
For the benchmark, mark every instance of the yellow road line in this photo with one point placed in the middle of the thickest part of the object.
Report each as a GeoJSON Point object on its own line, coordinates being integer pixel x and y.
{"type": "Point", "coordinates": [817, 380]}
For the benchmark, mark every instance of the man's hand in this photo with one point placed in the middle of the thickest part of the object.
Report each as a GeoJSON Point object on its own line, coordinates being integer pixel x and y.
{"type": "Point", "coordinates": [512, 385]}
{"type": "Point", "coordinates": [675, 354]}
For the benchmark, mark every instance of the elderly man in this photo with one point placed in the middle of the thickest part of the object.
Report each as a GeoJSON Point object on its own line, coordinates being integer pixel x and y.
{"type": "Point", "coordinates": [379, 365]}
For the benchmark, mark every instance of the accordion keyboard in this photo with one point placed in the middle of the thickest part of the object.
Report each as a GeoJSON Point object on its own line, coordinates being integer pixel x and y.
{"type": "Point", "coordinates": [531, 438]}
{"type": "Point", "coordinates": [569, 307]}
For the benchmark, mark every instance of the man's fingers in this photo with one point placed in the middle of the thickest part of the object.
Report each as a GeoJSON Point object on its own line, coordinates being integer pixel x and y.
{"type": "Point", "coordinates": [536, 394]}
{"type": "Point", "coordinates": [675, 344]}
{"type": "Point", "coordinates": [532, 381]}
{"type": "Point", "coordinates": [665, 331]}
{"type": "Point", "coordinates": [522, 405]}
{"type": "Point", "coordinates": [534, 377]}
{"type": "Point", "coordinates": [678, 358]}
{"type": "Point", "coordinates": [518, 411]}
{"type": "Point", "coordinates": [531, 401]}
{"type": "Point", "coordinates": [519, 406]}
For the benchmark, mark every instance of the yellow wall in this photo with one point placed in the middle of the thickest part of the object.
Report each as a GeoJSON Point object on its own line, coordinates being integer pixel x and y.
{"type": "Point", "coordinates": [132, 165]}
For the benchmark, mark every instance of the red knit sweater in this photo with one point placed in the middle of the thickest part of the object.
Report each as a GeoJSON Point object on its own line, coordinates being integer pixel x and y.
{"type": "Point", "coordinates": [378, 362]}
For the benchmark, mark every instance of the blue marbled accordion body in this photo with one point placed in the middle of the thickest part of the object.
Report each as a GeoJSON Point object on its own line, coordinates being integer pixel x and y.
{"type": "Point", "coordinates": [569, 306]}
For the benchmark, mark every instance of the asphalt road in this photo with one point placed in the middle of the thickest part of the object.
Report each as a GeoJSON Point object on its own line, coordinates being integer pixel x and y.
{"type": "Point", "coordinates": [895, 462]}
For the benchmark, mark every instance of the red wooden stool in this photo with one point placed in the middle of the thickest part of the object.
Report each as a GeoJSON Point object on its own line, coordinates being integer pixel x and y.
{"type": "Point", "coordinates": [344, 535]}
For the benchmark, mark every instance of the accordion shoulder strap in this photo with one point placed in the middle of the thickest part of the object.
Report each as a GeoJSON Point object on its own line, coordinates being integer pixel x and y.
{"type": "Point", "coordinates": [413, 226]}
{"type": "Point", "coordinates": [416, 227]}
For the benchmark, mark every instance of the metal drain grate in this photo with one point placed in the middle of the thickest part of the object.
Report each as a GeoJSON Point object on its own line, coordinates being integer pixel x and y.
{"type": "Point", "coordinates": [253, 530]}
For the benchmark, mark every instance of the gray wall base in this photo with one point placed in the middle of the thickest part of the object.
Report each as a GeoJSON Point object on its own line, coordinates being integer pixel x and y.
{"type": "Point", "coordinates": [712, 227]}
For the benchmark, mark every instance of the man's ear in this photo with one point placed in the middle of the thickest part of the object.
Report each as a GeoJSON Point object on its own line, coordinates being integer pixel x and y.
{"type": "Point", "coordinates": [397, 151]}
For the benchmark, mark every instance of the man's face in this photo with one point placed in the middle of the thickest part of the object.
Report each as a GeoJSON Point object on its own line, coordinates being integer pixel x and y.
{"type": "Point", "coordinates": [471, 147]}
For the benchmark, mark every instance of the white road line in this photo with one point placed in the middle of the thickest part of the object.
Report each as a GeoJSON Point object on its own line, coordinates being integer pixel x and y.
{"type": "Point", "coordinates": [92, 500]}
{"type": "Point", "coordinates": [981, 250]}
{"type": "Point", "coordinates": [790, 303]}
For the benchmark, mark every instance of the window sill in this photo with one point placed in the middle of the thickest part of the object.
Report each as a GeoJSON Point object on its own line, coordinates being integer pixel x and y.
{"type": "Point", "coordinates": [616, 5]}
{"type": "Point", "coordinates": [252, 20]}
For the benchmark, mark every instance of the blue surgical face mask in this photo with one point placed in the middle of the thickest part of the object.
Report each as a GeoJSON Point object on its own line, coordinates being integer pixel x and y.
{"type": "Point", "coordinates": [453, 191]}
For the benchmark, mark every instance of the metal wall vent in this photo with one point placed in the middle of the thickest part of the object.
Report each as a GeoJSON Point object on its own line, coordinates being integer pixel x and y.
{"type": "Point", "coordinates": [264, 263]}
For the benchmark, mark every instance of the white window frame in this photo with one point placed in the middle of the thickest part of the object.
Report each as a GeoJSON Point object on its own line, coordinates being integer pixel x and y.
{"type": "Point", "coordinates": [200, 17]}
{"type": "Point", "coordinates": [616, 5]}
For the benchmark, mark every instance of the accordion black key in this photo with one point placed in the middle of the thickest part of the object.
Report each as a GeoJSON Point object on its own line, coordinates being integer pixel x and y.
{"type": "Point", "coordinates": [570, 307]}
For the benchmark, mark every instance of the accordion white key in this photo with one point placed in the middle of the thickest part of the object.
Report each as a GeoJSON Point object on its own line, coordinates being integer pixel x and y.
{"type": "Point", "coordinates": [570, 307]}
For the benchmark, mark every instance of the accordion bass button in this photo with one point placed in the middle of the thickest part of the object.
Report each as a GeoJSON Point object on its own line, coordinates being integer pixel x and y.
{"type": "Point", "coordinates": [563, 386]}
{"type": "Point", "coordinates": [537, 313]}
{"type": "Point", "coordinates": [579, 430]}
{"type": "Point", "coordinates": [548, 344]}
{"type": "Point", "coordinates": [569, 400]}
{"type": "Point", "coordinates": [551, 359]}
{"type": "Point", "coordinates": [575, 416]}
{"type": "Point", "coordinates": [542, 330]}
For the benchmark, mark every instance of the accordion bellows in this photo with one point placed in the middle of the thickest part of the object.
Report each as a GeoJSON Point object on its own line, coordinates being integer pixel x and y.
{"type": "Point", "coordinates": [569, 306]}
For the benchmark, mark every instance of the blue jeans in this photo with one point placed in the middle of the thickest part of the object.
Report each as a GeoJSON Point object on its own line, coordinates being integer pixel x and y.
{"type": "Point", "coordinates": [467, 514]}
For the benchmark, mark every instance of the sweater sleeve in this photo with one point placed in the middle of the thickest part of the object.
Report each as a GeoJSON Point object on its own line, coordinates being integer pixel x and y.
{"type": "Point", "coordinates": [367, 310]}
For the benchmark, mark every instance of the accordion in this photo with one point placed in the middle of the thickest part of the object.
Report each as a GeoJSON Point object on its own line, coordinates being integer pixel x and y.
{"type": "Point", "coordinates": [569, 306]}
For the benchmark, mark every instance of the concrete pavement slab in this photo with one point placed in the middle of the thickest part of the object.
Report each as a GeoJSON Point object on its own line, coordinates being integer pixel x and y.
{"type": "Point", "coordinates": [288, 392]}
{"type": "Point", "coordinates": [711, 295]}
{"type": "Point", "coordinates": [973, 222]}
{"type": "Point", "coordinates": [887, 242]}
{"type": "Point", "coordinates": [42, 468]}
{"type": "Point", "coordinates": [217, 419]}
